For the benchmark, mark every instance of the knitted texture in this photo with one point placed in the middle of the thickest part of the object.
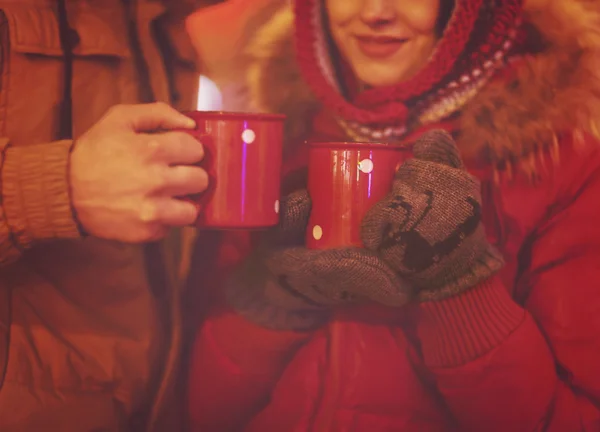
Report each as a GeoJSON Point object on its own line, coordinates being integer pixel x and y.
{"type": "Point", "coordinates": [286, 286]}
{"type": "Point", "coordinates": [429, 227]}
{"type": "Point", "coordinates": [479, 36]}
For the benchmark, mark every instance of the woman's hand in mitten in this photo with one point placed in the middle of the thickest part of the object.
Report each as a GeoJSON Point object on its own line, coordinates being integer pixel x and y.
{"type": "Point", "coordinates": [429, 228]}
{"type": "Point", "coordinates": [286, 286]}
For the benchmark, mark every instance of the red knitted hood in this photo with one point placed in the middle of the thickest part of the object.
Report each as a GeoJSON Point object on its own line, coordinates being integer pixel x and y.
{"type": "Point", "coordinates": [478, 39]}
{"type": "Point", "coordinates": [549, 91]}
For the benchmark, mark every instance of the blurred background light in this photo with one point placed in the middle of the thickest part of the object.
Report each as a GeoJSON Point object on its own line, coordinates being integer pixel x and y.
{"type": "Point", "coordinates": [209, 96]}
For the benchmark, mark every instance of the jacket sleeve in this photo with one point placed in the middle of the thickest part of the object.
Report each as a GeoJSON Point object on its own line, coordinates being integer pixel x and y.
{"type": "Point", "coordinates": [241, 363]}
{"type": "Point", "coordinates": [501, 366]}
{"type": "Point", "coordinates": [36, 203]}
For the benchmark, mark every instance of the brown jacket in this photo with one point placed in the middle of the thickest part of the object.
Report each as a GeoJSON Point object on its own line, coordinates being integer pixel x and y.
{"type": "Point", "coordinates": [83, 334]}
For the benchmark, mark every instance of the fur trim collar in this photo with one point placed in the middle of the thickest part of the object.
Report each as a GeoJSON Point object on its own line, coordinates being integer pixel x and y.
{"type": "Point", "coordinates": [552, 92]}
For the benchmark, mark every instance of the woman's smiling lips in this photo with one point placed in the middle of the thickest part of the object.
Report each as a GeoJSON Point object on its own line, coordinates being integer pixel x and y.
{"type": "Point", "coordinates": [379, 46]}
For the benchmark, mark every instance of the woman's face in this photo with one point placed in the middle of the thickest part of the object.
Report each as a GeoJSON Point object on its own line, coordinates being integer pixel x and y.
{"type": "Point", "coordinates": [384, 41]}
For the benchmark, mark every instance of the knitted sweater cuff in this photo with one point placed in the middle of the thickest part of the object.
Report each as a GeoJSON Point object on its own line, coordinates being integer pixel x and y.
{"type": "Point", "coordinates": [465, 327]}
{"type": "Point", "coordinates": [36, 193]}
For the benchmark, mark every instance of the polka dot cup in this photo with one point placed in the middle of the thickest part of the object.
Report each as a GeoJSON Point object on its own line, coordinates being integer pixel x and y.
{"type": "Point", "coordinates": [344, 181]}
{"type": "Point", "coordinates": [243, 155]}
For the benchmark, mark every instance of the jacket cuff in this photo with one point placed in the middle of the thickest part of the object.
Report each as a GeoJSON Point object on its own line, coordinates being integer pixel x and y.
{"type": "Point", "coordinates": [460, 329]}
{"type": "Point", "coordinates": [36, 192]}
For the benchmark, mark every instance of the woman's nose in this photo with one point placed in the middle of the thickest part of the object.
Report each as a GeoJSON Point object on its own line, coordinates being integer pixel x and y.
{"type": "Point", "coordinates": [377, 12]}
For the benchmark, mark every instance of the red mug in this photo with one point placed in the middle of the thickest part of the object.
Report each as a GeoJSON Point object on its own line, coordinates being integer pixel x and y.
{"type": "Point", "coordinates": [243, 157]}
{"type": "Point", "coordinates": [344, 181]}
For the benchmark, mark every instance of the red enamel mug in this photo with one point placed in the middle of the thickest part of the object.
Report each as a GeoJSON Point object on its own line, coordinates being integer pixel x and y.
{"type": "Point", "coordinates": [243, 157]}
{"type": "Point", "coordinates": [345, 180]}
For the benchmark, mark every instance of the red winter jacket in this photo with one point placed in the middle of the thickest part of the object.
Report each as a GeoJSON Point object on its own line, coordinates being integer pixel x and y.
{"type": "Point", "coordinates": [520, 352]}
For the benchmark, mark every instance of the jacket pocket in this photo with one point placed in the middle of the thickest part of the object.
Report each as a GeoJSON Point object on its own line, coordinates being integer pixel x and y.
{"type": "Point", "coordinates": [34, 30]}
{"type": "Point", "coordinates": [33, 67]}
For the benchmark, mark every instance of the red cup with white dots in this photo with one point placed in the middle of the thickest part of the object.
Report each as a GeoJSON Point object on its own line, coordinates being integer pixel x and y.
{"type": "Point", "coordinates": [345, 180]}
{"type": "Point", "coordinates": [243, 158]}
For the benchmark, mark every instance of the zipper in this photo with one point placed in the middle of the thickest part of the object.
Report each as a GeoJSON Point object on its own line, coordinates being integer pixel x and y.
{"type": "Point", "coordinates": [67, 44]}
{"type": "Point", "coordinates": [5, 288]}
{"type": "Point", "coordinates": [4, 43]}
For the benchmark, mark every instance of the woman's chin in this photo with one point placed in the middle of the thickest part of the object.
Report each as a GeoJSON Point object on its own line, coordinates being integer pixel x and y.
{"type": "Point", "coordinates": [375, 77]}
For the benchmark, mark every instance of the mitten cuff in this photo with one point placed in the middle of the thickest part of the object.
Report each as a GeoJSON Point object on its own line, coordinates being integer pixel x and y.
{"type": "Point", "coordinates": [463, 328]}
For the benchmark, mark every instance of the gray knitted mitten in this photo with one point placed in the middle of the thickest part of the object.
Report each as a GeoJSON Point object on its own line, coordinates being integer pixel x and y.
{"type": "Point", "coordinates": [429, 227]}
{"type": "Point", "coordinates": [286, 286]}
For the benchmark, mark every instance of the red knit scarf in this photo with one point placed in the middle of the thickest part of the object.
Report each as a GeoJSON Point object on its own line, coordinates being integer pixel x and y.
{"type": "Point", "coordinates": [480, 37]}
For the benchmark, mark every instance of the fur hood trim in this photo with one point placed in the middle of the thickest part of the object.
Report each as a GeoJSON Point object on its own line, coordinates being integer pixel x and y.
{"type": "Point", "coordinates": [557, 90]}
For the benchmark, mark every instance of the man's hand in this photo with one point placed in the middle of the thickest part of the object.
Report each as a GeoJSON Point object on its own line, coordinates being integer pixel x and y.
{"type": "Point", "coordinates": [128, 170]}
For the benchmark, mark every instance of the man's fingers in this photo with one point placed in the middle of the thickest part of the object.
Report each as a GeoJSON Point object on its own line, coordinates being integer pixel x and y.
{"type": "Point", "coordinates": [150, 117]}
{"type": "Point", "coordinates": [169, 212]}
{"type": "Point", "coordinates": [184, 180]}
{"type": "Point", "coordinates": [174, 148]}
